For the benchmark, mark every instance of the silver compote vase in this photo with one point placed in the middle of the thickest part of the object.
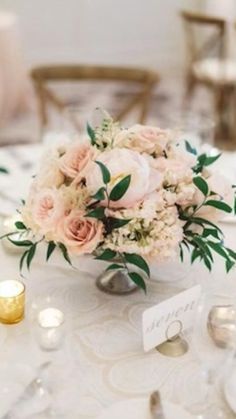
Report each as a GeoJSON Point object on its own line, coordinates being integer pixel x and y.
{"type": "Point", "coordinates": [116, 282]}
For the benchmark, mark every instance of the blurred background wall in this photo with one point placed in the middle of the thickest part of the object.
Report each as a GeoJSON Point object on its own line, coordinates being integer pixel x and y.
{"type": "Point", "coordinates": [128, 32]}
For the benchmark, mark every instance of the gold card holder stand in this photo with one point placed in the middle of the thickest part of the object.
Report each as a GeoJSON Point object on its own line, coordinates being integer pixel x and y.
{"type": "Point", "coordinates": [176, 345]}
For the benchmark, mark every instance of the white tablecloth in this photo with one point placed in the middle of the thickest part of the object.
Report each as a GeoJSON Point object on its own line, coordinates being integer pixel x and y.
{"type": "Point", "coordinates": [102, 360]}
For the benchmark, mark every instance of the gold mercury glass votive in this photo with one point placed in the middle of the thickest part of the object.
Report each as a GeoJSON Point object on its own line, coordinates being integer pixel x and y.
{"type": "Point", "coordinates": [12, 301]}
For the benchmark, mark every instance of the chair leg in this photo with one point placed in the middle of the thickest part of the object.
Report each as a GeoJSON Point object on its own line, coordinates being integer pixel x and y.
{"type": "Point", "coordinates": [189, 91]}
{"type": "Point", "coordinates": [220, 106]}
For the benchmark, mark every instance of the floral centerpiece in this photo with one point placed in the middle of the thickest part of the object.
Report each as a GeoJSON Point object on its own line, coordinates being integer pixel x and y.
{"type": "Point", "coordinates": [127, 196]}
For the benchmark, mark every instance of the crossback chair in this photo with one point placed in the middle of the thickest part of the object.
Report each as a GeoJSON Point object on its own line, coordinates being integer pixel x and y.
{"type": "Point", "coordinates": [201, 48]}
{"type": "Point", "coordinates": [208, 65]}
{"type": "Point", "coordinates": [44, 75]}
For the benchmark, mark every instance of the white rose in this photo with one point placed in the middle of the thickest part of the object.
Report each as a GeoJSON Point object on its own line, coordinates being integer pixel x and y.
{"type": "Point", "coordinates": [121, 163]}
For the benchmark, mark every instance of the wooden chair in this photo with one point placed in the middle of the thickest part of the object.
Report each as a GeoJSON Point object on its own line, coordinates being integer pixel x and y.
{"type": "Point", "coordinates": [198, 51]}
{"type": "Point", "coordinates": [44, 75]}
{"type": "Point", "coordinates": [208, 65]}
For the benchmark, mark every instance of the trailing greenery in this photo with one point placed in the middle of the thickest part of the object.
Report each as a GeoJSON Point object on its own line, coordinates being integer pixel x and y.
{"type": "Point", "coordinates": [209, 239]}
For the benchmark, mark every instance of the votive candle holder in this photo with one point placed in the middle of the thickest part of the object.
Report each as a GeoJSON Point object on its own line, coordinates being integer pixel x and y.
{"type": "Point", "coordinates": [12, 301]}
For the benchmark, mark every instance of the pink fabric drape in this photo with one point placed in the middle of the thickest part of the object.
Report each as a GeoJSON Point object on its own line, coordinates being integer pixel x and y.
{"type": "Point", "coordinates": [14, 82]}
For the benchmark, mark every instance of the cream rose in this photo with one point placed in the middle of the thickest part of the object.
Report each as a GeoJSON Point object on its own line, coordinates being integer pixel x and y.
{"type": "Point", "coordinates": [47, 209]}
{"type": "Point", "coordinates": [50, 174]}
{"type": "Point", "coordinates": [80, 234]}
{"type": "Point", "coordinates": [146, 139]}
{"type": "Point", "coordinates": [76, 160]}
{"type": "Point", "coordinates": [177, 167]}
{"type": "Point", "coordinates": [121, 163]}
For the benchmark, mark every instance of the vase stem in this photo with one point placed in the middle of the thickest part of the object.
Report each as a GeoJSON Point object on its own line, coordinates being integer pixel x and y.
{"type": "Point", "coordinates": [116, 282]}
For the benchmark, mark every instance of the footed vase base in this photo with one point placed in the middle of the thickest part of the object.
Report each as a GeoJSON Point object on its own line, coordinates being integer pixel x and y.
{"type": "Point", "coordinates": [116, 283]}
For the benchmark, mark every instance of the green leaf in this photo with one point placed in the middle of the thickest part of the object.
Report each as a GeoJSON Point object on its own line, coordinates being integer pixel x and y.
{"type": "Point", "coordinates": [23, 259]}
{"type": "Point", "coordinates": [138, 261]}
{"type": "Point", "coordinates": [203, 246]}
{"type": "Point", "coordinates": [98, 213]}
{"type": "Point", "coordinates": [185, 243]}
{"type": "Point", "coordinates": [91, 134]}
{"type": "Point", "coordinates": [120, 188]}
{"type": "Point", "coordinates": [201, 184]}
{"type": "Point", "coordinates": [195, 254]}
{"type": "Point", "coordinates": [138, 280]}
{"type": "Point", "coordinates": [222, 206]}
{"type": "Point", "coordinates": [229, 264]}
{"type": "Point", "coordinates": [30, 255]}
{"type": "Point", "coordinates": [114, 266]}
{"type": "Point", "coordinates": [202, 221]}
{"type": "Point", "coordinates": [106, 176]}
{"type": "Point", "coordinates": [181, 253]}
{"type": "Point", "coordinates": [65, 253]}
{"type": "Point", "coordinates": [99, 195]}
{"type": "Point", "coordinates": [210, 160]}
{"type": "Point", "coordinates": [210, 232]}
{"type": "Point", "coordinates": [218, 248]}
{"type": "Point", "coordinates": [108, 254]}
{"type": "Point", "coordinates": [231, 253]}
{"type": "Point", "coordinates": [189, 148]}
{"type": "Point", "coordinates": [23, 243]}
{"type": "Point", "coordinates": [116, 223]}
{"type": "Point", "coordinates": [50, 249]}
{"type": "Point", "coordinates": [201, 159]}
{"type": "Point", "coordinates": [20, 226]}
{"type": "Point", "coordinates": [4, 170]}
{"type": "Point", "coordinates": [207, 263]}
{"type": "Point", "coordinates": [235, 205]}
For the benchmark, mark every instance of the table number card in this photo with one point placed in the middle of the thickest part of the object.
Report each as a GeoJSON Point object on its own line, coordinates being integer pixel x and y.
{"type": "Point", "coordinates": [168, 318]}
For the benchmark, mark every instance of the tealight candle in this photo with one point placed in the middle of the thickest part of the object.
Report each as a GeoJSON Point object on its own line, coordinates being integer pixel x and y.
{"type": "Point", "coordinates": [8, 226]}
{"type": "Point", "coordinates": [50, 323]}
{"type": "Point", "coordinates": [12, 301]}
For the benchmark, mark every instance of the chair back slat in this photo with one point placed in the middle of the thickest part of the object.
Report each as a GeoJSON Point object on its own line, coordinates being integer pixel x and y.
{"type": "Point", "coordinates": [200, 47]}
{"type": "Point", "coordinates": [45, 75]}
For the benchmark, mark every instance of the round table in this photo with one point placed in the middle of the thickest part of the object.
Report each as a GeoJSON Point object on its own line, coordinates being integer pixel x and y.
{"type": "Point", "coordinates": [102, 360]}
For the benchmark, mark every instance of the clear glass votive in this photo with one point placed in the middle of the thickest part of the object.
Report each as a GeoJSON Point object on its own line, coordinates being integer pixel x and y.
{"type": "Point", "coordinates": [12, 301]}
{"type": "Point", "coordinates": [50, 328]}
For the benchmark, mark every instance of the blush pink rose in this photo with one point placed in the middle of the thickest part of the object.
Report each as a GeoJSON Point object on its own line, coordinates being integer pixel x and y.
{"type": "Point", "coordinates": [80, 234]}
{"type": "Point", "coordinates": [76, 160]}
{"type": "Point", "coordinates": [47, 209]}
{"type": "Point", "coordinates": [121, 163]}
{"type": "Point", "coordinates": [142, 138]}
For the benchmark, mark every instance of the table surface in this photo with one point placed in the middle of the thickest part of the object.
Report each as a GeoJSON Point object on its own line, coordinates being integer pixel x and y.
{"type": "Point", "coordinates": [102, 360]}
